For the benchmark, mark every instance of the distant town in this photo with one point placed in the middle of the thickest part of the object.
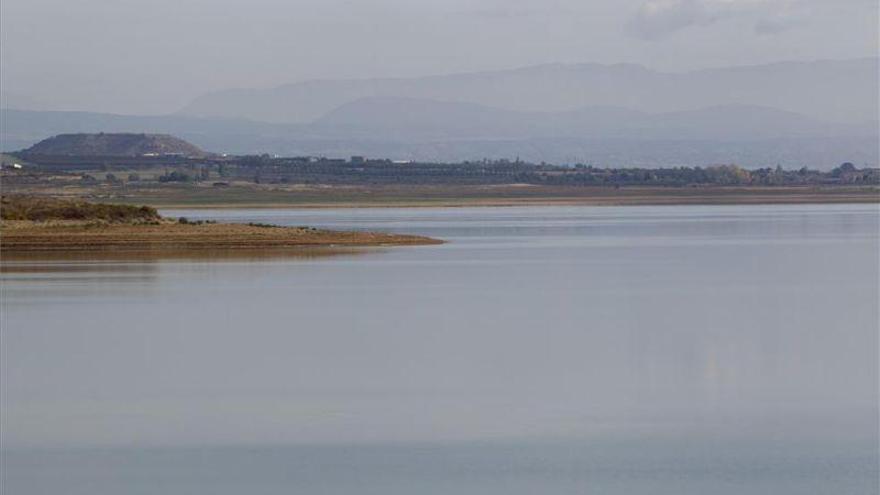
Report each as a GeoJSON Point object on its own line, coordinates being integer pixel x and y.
{"type": "Point", "coordinates": [265, 169]}
{"type": "Point", "coordinates": [161, 169]}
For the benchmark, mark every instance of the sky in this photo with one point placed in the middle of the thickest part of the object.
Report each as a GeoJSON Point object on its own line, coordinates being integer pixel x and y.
{"type": "Point", "coordinates": [153, 57]}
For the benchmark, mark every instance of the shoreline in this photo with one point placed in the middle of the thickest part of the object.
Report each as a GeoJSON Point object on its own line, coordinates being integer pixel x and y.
{"type": "Point", "coordinates": [445, 197]}
{"type": "Point", "coordinates": [417, 196]}
{"type": "Point", "coordinates": [33, 237]}
{"type": "Point", "coordinates": [51, 225]}
{"type": "Point", "coordinates": [537, 202]}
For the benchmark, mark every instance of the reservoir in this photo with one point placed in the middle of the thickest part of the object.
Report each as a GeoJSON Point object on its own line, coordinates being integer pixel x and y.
{"type": "Point", "coordinates": [557, 349]}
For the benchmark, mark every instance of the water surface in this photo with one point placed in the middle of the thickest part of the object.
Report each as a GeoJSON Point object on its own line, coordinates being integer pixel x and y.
{"type": "Point", "coordinates": [679, 350]}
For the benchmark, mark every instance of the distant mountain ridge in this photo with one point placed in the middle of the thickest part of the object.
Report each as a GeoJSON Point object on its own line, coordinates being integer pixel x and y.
{"type": "Point", "coordinates": [430, 119]}
{"type": "Point", "coordinates": [603, 136]}
{"type": "Point", "coordinates": [114, 144]}
{"type": "Point", "coordinates": [830, 90]}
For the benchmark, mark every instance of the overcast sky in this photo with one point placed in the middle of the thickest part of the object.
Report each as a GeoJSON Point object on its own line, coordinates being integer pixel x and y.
{"type": "Point", "coordinates": [152, 57]}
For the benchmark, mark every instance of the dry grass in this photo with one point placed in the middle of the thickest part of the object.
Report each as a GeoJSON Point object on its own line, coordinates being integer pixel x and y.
{"type": "Point", "coordinates": [43, 209]}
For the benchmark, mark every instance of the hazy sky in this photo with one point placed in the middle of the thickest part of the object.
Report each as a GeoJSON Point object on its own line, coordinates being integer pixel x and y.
{"type": "Point", "coordinates": [139, 56]}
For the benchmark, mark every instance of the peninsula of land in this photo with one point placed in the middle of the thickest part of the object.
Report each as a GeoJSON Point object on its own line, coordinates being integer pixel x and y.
{"type": "Point", "coordinates": [45, 224]}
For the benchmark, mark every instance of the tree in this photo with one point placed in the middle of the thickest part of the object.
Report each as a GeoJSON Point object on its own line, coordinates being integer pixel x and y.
{"type": "Point", "coordinates": [843, 169]}
{"type": "Point", "coordinates": [175, 176]}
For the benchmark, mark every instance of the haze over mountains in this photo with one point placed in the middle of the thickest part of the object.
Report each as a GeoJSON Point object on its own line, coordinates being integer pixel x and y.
{"type": "Point", "coordinates": [839, 91]}
{"type": "Point", "coordinates": [795, 113]}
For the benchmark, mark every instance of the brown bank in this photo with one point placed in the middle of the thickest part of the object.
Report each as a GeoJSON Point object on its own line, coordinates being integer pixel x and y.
{"type": "Point", "coordinates": [41, 224]}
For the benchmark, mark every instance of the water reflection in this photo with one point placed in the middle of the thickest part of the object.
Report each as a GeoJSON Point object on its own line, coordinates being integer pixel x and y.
{"type": "Point", "coordinates": [98, 260]}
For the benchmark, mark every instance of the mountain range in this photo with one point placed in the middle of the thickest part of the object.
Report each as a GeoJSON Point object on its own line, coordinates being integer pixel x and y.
{"type": "Point", "coordinates": [794, 113]}
{"type": "Point", "coordinates": [832, 90]}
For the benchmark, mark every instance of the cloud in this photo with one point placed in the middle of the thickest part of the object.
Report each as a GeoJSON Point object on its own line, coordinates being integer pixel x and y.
{"type": "Point", "coordinates": [657, 19]}
{"type": "Point", "coordinates": [510, 9]}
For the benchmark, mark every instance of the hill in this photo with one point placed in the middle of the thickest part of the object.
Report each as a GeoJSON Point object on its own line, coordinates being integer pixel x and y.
{"type": "Point", "coordinates": [114, 144]}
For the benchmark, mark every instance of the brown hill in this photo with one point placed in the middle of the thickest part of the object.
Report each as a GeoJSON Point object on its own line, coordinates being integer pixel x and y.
{"type": "Point", "coordinates": [114, 144]}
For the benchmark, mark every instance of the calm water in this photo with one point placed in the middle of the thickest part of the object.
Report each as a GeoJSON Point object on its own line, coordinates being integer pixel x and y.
{"type": "Point", "coordinates": [638, 350]}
